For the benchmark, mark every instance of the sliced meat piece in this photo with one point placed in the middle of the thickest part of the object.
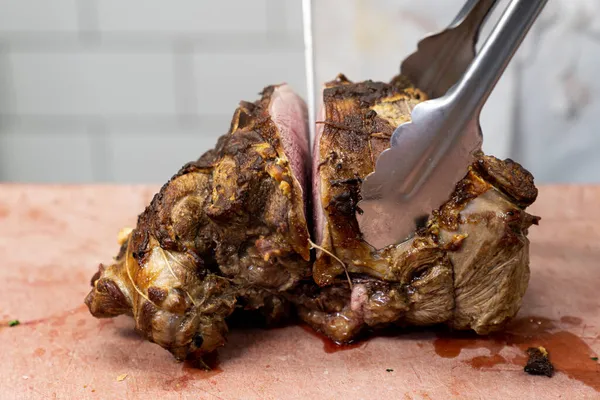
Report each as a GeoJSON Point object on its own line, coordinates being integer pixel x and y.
{"type": "Point", "coordinates": [356, 127]}
{"type": "Point", "coordinates": [233, 220]}
{"type": "Point", "coordinates": [468, 267]}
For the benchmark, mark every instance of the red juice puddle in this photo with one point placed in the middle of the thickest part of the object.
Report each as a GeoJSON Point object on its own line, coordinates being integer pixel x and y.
{"type": "Point", "coordinates": [193, 370]}
{"type": "Point", "coordinates": [569, 353]}
{"type": "Point", "coordinates": [483, 362]}
{"type": "Point", "coordinates": [329, 346]}
{"type": "Point", "coordinates": [450, 344]}
{"type": "Point", "coordinates": [199, 366]}
{"type": "Point", "coordinates": [571, 320]}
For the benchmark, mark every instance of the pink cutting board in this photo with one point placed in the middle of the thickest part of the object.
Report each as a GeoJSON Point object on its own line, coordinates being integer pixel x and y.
{"type": "Point", "coordinates": [53, 237]}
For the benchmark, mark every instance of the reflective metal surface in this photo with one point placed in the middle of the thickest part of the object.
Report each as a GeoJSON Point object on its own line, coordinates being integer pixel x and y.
{"type": "Point", "coordinates": [441, 59]}
{"type": "Point", "coordinates": [432, 152]}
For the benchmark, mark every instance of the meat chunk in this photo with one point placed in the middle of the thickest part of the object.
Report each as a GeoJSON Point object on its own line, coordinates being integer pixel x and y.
{"type": "Point", "coordinates": [357, 122]}
{"type": "Point", "coordinates": [228, 226]}
{"type": "Point", "coordinates": [539, 362]}
{"type": "Point", "coordinates": [468, 267]}
{"type": "Point", "coordinates": [229, 232]}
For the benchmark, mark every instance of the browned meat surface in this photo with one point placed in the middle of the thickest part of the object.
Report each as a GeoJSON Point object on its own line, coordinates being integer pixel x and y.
{"type": "Point", "coordinates": [229, 232]}
{"type": "Point", "coordinates": [356, 124]}
{"type": "Point", "coordinates": [468, 267]}
{"type": "Point", "coordinates": [230, 224]}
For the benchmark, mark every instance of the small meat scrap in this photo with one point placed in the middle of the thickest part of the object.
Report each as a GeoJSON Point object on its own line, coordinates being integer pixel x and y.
{"type": "Point", "coordinates": [539, 362]}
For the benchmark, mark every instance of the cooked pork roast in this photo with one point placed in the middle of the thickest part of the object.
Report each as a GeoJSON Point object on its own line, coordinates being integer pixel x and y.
{"type": "Point", "coordinates": [229, 232]}
{"type": "Point", "coordinates": [468, 267]}
{"type": "Point", "coordinates": [226, 230]}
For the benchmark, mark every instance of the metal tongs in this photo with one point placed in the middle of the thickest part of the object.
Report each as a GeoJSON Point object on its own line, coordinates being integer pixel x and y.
{"type": "Point", "coordinates": [430, 154]}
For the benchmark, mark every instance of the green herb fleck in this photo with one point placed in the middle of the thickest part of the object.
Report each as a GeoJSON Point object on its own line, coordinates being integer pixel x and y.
{"type": "Point", "coordinates": [594, 358]}
{"type": "Point", "coordinates": [389, 370]}
{"type": "Point", "coordinates": [14, 322]}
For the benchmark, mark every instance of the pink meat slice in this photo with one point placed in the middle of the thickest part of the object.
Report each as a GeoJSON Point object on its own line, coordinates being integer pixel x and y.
{"type": "Point", "coordinates": [288, 111]}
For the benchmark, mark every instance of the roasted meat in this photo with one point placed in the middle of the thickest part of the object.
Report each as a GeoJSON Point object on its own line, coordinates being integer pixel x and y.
{"type": "Point", "coordinates": [229, 232]}
{"type": "Point", "coordinates": [468, 267]}
{"type": "Point", "coordinates": [228, 226]}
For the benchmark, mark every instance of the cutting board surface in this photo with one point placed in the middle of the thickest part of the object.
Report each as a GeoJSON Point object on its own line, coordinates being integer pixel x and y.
{"type": "Point", "coordinates": [53, 237]}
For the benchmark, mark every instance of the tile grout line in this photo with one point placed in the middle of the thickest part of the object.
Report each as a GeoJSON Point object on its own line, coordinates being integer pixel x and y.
{"type": "Point", "coordinates": [96, 131]}
{"type": "Point", "coordinates": [6, 88]}
{"type": "Point", "coordinates": [7, 97]}
{"type": "Point", "coordinates": [100, 152]}
{"type": "Point", "coordinates": [276, 18]}
{"type": "Point", "coordinates": [88, 22]}
{"type": "Point", "coordinates": [149, 42]}
{"type": "Point", "coordinates": [184, 83]}
{"type": "Point", "coordinates": [123, 121]}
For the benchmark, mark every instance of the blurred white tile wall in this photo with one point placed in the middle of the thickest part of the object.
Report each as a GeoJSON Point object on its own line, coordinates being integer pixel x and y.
{"type": "Point", "coordinates": [130, 90]}
{"type": "Point", "coordinates": [545, 111]}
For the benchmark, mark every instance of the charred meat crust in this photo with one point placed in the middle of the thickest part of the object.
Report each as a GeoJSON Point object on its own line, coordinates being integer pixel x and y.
{"type": "Point", "coordinates": [232, 220]}
{"type": "Point", "coordinates": [442, 274]}
{"type": "Point", "coordinates": [229, 232]}
{"type": "Point", "coordinates": [354, 134]}
{"type": "Point", "coordinates": [509, 177]}
{"type": "Point", "coordinates": [480, 232]}
{"type": "Point", "coordinates": [539, 362]}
